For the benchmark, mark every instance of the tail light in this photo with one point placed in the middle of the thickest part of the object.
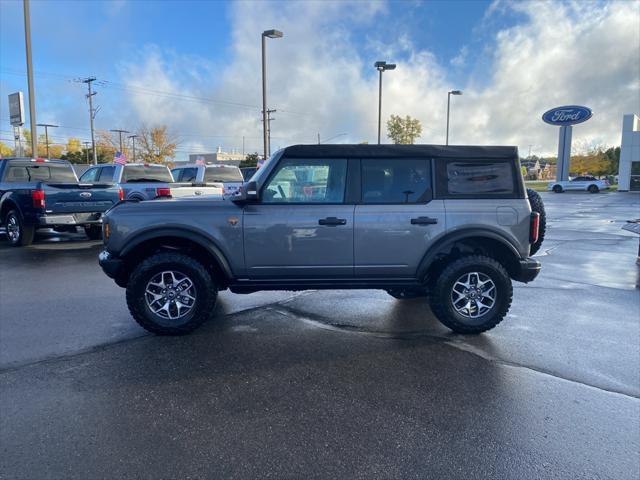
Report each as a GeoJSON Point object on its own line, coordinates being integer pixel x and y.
{"type": "Point", "coordinates": [163, 192]}
{"type": "Point", "coordinates": [38, 198]}
{"type": "Point", "coordinates": [535, 227]}
{"type": "Point", "coordinates": [121, 194]}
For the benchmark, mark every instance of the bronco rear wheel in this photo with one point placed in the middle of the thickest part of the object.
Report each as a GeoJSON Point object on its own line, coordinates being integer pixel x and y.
{"type": "Point", "coordinates": [170, 294]}
{"type": "Point", "coordinates": [472, 294]}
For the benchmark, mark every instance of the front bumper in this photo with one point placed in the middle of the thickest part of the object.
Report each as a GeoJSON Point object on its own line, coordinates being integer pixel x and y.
{"type": "Point", "coordinates": [71, 219]}
{"type": "Point", "coordinates": [111, 265]}
{"type": "Point", "coordinates": [528, 271]}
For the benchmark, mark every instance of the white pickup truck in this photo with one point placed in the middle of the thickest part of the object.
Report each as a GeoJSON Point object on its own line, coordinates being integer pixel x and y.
{"type": "Point", "coordinates": [586, 183]}
{"type": "Point", "coordinates": [228, 176]}
{"type": "Point", "coordinates": [146, 181]}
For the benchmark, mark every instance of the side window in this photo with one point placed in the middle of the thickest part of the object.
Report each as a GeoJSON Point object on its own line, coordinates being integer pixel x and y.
{"type": "Point", "coordinates": [106, 174]}
{"type": "Point", "coordinates": [299, 180]}
{"type": "Point", "coordinates": [490, 178]}
{"type": "Point", "coordinates": [90, 176]}
{"type": "Point", "coordinates": [176, 174]}
{"type": "Point", "coordinates": [188, 175]}
{"type": "Point", "coordinates": [396, 180]}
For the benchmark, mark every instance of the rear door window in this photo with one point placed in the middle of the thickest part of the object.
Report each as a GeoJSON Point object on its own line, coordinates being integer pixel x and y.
{"type": "Point", "coordinates": [223, 174]}
{"type": "Point", "coordinates": [396, 181]}
{"type": "Point", "coordinates": [146, 173]}
{"type": "Point", "coordinates": [484, 178]}
{"type": "Point", "coordinates": [187, 175]}
{"type": "Point", "coordinates": [106, 174]}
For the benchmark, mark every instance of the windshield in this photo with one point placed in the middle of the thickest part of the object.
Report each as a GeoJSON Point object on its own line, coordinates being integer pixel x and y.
{"type": "Point", "coordinates": [146, 173]}
{"type": "Point", "coordinates": [60, 173]}
{"type": "Point", "coordinates": [223, 174]}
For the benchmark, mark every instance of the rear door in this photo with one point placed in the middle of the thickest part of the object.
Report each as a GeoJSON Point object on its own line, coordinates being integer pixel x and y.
{"type": "Point", "coordinates": [397, 218]}
{"type": "Point", "coordinates": [301, 227]}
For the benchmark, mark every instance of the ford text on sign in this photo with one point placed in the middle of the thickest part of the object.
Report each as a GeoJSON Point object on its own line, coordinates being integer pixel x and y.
{"type": "Point", "coordinates": [567, 115]}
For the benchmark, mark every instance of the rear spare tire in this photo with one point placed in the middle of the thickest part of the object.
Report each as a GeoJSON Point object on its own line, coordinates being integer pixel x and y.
{"type": "Point", "coordinates": [537, 205]}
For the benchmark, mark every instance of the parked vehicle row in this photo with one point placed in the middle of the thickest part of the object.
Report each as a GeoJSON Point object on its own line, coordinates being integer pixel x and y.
{"type": "Point", "coordinates": [42, 193]}
{"type": "Point", "coordinates": [140, 181]}
{"type": "Point", "coordinates": [39, 193]}
{"type": "Point", "coordinates": [454, 223]}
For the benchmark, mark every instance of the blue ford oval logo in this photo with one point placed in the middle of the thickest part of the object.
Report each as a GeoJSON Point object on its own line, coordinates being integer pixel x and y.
{"type": "Point", "coordinates": [567, 115]}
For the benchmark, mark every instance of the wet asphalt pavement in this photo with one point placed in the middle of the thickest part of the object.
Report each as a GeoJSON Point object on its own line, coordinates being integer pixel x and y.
{"type": "Point", "coordinates": [333, 384]}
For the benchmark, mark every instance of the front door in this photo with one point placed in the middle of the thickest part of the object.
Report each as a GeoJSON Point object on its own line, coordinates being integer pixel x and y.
{"type": "Point", "coordinates": [301, 226]}
{"type": "Point", "coordinates": [397, 219]}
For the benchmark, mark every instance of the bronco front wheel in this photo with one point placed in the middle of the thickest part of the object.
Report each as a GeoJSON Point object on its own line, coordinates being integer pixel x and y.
{"type": "Point", "coordinates": [170, 294]}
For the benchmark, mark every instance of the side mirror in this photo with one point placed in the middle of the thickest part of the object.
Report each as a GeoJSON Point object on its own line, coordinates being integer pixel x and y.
{"type": "Point", "coordinates": [248, 194]}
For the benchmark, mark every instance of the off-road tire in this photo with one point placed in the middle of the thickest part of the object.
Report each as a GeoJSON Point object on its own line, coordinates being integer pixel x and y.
{"type": "Point", "coordinates": [93, 232]}
{"type": "Point", "coordinates": [593, 189]}
{"type": "Point", "coordinates": [440, 298]}
{"type": "Point", "coordinates": [405, 294]}
{"type": "Point", "coordinates": [26, 233]}
{"type": "Point", "coordinates": [537, 205]}
{"type": "Point", "coordinates": [557, 189]}
{"type": "Point", "coordinates": [206, 293]}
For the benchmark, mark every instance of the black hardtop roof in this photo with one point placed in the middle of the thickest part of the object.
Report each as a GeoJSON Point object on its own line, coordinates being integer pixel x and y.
{"type": "Point", "coordinates": [387, 151]}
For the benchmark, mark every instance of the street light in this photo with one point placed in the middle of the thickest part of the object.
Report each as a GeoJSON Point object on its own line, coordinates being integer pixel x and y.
{"type": "Point", "coordinates": [46, 135]}
{"type": "Point", "coordinates": [451, 92]}
{"type": "Point", "coordinates": [381, 67]}
{"type": "Point", "coordinates": [266, 34]}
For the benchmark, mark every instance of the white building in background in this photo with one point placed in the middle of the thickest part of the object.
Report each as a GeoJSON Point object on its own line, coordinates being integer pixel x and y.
{"type": "Point", "coordinates": [228, 158]}
{"type": "Point", "coordinates": [629, 170]}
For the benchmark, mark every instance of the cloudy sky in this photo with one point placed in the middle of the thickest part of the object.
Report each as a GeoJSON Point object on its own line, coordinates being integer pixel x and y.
{"type": "Point", "coordinates": [195, 66]}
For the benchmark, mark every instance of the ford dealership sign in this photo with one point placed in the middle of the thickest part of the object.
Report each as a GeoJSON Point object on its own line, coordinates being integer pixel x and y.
{"type": "Point", "coordinates": [567, 115]}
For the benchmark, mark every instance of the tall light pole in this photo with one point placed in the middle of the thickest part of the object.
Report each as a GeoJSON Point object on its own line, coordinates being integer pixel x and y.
{"type": "Point", "coordinates": [381, 67]}
{"type": "Point", "coordinates": [46, 134]}
{"type": "Point", "coordinates": [451, 92]}
{"type": "Point", "coordinates": [133, 142]}
{"type": "Point", "coordinates": [266, 34]}
{"type": "Point", "coordinates": [32, 87]}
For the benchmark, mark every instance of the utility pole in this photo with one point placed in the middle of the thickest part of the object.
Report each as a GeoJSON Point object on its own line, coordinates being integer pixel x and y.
{"type": "Point", "coordinates": [120, 132]}
{"type": "Point", "coordinates": [243, 145]}
{"type": "Point", "coordinates": [86, 149]}
{"type": "Point", "coordinates": [46, 134]}
{"type": "Point", "coordinates": [318, 138]}
{"type": "Point", "coordinates": [92, 114]}
{"type": "Point", "coordinates": [268, 130]}
{"type": "Point", "coordinates": [529, 156]}
{"type": "Point", "coordinates": [133, 141]}
{"type": "Point", "coordinates": [32, 87]}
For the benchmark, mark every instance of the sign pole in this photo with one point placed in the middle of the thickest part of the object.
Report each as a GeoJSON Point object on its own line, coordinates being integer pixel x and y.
{"type": "Point", "coordinates": [564, 153]}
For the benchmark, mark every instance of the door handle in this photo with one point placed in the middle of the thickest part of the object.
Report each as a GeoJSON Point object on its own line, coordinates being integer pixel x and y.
{"type": "Point", "coordinates": [332, 221]}
{"type": "Point", "coordinates": [424, 221]}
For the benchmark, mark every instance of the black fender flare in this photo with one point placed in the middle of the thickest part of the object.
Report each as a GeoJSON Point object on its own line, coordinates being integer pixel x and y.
{"type": "Point", "coordinates": [194, 236]}
{"type": "Point", "coordinates": [449, 239]}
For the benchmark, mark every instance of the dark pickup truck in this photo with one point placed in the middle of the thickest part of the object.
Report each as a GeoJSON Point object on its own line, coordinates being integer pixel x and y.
{"type": "Point", "coordinates": [39, 193]}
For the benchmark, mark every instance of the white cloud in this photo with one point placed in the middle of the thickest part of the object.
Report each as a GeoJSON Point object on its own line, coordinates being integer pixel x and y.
{"type": "Point", "coordinates": [564, 53]}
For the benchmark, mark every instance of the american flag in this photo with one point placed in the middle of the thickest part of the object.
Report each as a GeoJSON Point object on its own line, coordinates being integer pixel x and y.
{"type": "Point", "coordinates": [120, 158]}
{"type": "Point", "coordinates": [200, 160]}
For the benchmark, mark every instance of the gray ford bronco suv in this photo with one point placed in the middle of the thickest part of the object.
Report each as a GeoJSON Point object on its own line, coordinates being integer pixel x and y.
{"type": "Point", "coordinates": [452, 223]}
